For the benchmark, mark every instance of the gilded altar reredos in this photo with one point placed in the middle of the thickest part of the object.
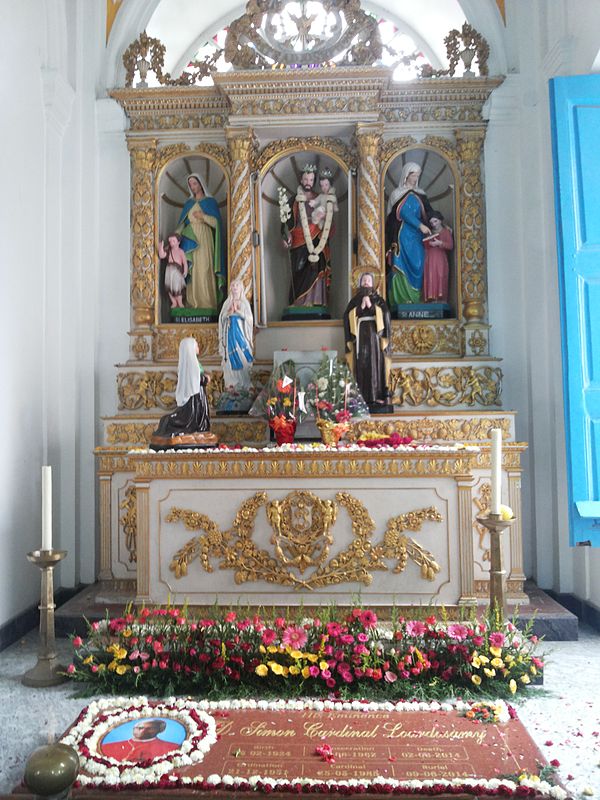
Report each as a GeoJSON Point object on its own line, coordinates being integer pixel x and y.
{"type": "Point", "coordinates": [446, 383]}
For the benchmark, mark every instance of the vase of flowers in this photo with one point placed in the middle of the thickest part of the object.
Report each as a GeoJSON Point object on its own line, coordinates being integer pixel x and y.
{"type": "Point", "coordinates": [278, 401]}
{"type": "Point", "coordinates": [335, 400]}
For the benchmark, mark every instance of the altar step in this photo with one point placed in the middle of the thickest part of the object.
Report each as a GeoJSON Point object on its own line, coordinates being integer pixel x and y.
{"type": "Point", "coordinates": [550, 619]}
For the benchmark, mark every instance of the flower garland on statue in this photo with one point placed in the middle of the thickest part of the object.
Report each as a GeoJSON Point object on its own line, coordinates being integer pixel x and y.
{"type": "Point", "coordinates": [101, 716]}
{"type": "Point", "coordinates": [314, 252]}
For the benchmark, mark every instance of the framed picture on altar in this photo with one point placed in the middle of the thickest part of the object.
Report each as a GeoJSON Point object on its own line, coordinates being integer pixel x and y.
{"type": "Point", "coordinates": [304, 211]}
{"type": "Point", "coordinates": [421, 239]}
{"type": "Point", "coordinates": [192, 239]}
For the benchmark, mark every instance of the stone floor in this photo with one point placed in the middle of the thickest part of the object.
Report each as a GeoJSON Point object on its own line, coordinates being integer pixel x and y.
{"type": "Point", "coordinates": [563, 718]}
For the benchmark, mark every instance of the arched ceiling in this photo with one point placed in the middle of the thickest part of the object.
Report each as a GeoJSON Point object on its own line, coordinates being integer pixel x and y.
{"type": "Point", "coordinates": [179, 24]}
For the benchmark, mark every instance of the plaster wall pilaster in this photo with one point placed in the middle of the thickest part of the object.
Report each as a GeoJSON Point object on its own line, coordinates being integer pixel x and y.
{"type": "Point", "coordinates": [465, 540]}
{"type": "Point", "coordinates": [143, 542]}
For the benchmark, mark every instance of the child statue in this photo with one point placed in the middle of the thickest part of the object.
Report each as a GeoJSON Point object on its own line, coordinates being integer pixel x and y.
{"type": "Point", "coordinates": [188, 426]}
{"type": "Point", "coordinates": [176, 270]}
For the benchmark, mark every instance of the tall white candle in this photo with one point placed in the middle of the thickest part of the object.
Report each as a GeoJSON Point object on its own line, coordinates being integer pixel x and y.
{"type": "Point", "coordinates": [496, 481]}
{"type": "Point", "coordinates": [46, 508]}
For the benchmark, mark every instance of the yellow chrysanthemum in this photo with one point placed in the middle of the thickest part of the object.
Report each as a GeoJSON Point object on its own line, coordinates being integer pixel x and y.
{"type": "Point", "coordinates": [532, 669]}
{"type": "Point", "coordinates": [88, 660]}
{"type": "Point", "coordinates": [323, 665]}
{"type": "Point", "coordinates": [294, 670]}
{"type": "Point", "coordinates": [272, 649]}
{"type": "Point", "coordinates": [475, 662]}
{"type": "Point", "coordinates": [312, 657]}
{"type": "Point", "coordinates": [295, 654]}
{"type": "Point", "coordinates": [489, 672]}
{"type": "Point", "coordinates": [476, 679]}
{"type": "Point", "coordinates": [285, 671]}
{"type": "Point", "coordinates": [484, 659]}
{"type": "Point", "coordinates": [286, 402]}
{"type": "Point", "coordinates": [509, 659]}
{"type": "Point", "coordinates": [306, 673]}
{"type": "Point", "coordinates": [127, 633]}
{"type": "Point", "coordinates": [276, 668]}
{"type": "Point", "coordinates": [496, 651]}
{"type": "Point", "coordinates": [113, 665]}
{"type": "Point", "coordinates": [262, 649]}
{"type": "Point", "coordinates": [122, 669]}
{"type": "Point", "coordinates": [512, 685]}
{"type": "Point", "coordinates": [525, 679]}
{"type": "Point", "coordinates": [498, 663]}
{"type": "Point", "coordinates": [262, 670]}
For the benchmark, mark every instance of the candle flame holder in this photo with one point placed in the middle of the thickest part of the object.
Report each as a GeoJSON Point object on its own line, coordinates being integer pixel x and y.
{"type": "Point", "coordinates": [47, 670]}
{"type": "Point", "coordinates": [495, 525]}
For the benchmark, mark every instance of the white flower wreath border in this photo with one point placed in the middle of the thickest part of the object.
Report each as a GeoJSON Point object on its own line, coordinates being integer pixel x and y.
{"type": "Point", "coordinates": [101, 716]}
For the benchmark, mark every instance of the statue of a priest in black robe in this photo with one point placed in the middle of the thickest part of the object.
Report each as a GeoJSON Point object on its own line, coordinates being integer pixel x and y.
{"type": "Point", "coordinates": [368, 335]}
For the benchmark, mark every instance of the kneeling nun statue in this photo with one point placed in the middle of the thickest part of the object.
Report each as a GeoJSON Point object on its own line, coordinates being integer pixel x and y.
{"type": "Point", "coordinates": [188, 426]}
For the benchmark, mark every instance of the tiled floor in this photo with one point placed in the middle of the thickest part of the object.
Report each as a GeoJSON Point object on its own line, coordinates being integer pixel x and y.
{"type": "Point", "coordinates": [564, 720]}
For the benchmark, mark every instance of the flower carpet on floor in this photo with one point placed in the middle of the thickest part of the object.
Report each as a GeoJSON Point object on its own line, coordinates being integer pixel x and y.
{"type": "Point", "coordinates": [315, 747]}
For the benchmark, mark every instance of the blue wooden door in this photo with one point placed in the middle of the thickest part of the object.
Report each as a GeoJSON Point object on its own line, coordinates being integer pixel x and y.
{"type": "Point", "coordinates": [575, 111]}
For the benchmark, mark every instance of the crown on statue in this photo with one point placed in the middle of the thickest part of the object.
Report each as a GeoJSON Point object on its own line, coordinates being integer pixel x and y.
{"type": "Point", "coordinates": [326, 173]}
{"type": "Point", "coordinates": [309, 168]}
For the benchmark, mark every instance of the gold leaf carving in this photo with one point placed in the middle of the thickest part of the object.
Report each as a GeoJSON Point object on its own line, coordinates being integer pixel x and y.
{"type": "Point", "coordinates": [146, 390]}
{"type": "Point", "coordinates": [482, 506]}
{"type": "Point", "coordinates": [166, 342]}
{"type": "Point", "coordinates": [424, 338]}
{"type": "Point", "coordinates": [130, 433]}
{"type": "Point", "coordinates": [129, 522]}
{"type": "Point", "coordinates": [336, 146]}
{"type": "Point", "coordinates": [397, 545]}
{"type": "Point", "coordinates": [301, 525]}
{"type": "Point", "coordinates": [447, 386]}
{"type": "Point", "coordinates": [433, 428]}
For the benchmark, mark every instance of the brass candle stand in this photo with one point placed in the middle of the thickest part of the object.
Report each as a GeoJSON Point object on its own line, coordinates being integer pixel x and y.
{"type": "Point", "coordinates": [46, 671]}
{"type": "Point", "coordinates": [495, 524]}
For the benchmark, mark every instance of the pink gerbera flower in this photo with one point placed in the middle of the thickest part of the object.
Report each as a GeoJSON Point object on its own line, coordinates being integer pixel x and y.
{"type": "Point", "coordinates": [294, 636]}
{"type": "Point", "coordinates": [497, 639]}
{"type": "Point", "coordinates": [415, 627]}
{"type": "Point", "coordinates": [458, 632]}
{"type": "Point", "coordinates": [368, 618]}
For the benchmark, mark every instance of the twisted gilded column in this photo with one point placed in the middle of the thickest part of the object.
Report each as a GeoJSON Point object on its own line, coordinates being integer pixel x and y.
{"type": "Point", "coordinates": [143, 158]}
{"type": "Point", "coordinates": [368, 139]}
{"type": "Point", "coordinates": [241, 143]}
{"type": "Point", "coordinates": [469, 144]}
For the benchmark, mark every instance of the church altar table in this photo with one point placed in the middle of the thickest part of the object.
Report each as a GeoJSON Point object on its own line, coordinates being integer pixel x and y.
{"type": "Point", "coordinates": [279, 527]}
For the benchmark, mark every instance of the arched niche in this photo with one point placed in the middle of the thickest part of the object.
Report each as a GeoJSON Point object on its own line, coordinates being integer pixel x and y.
{"type": "Point", "coordinates": [172, 193]}
{"type": "Point", "coordinates": [440, 183]}
{"type": "Point", "coordinates": [273, 266]}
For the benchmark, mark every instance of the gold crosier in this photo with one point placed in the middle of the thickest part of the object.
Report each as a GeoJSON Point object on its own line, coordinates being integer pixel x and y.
{"type": "Point", "coordinates": [143, 158]}
{"type": "Point", "coordinates": [241, 145]}
{"type": "Point", "coordinates": [469, 144]}
{"type": "Point", "coordinates": [368, 139]}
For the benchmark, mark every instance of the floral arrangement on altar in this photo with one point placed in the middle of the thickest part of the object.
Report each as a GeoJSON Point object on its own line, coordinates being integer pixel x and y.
{"type": "Point", "coordinates": [281, 402]}
{"type": "Point", "coordinates": [335, 399]}
{"type": "Point", "coordinates": [162, 650]}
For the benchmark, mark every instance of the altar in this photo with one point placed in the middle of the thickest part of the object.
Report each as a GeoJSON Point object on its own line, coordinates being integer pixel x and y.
{"type": "Point", "coordinates": [261, 526]}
